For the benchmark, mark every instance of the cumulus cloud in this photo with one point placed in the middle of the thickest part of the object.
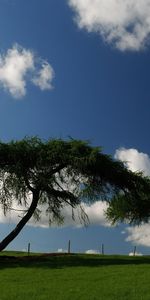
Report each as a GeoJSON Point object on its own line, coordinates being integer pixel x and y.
{"type": "Point", "coordinates": [126, 24]}
{"type": "Point", "coordinates": [139, 235]}
{"type": "Point", "coordinates": [18, 66]}
{"type": "Point", "coordinates": [60, 250]}
{"type": "Point", "coordinates": [91, 251]}
{"type": "Point", "coordinates": [135, 254]}
{"type": "Point", "coordinates": [134, 160]}
{"type": "Point", "coordinates": [95, 213]}
{"type": "Point", "coordinates": [14, 66]}
{"type": "Point", "coordinates": [44, 77]}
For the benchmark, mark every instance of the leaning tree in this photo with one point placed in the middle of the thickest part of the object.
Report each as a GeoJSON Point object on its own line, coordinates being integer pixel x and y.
{"type": "Point", "coordinates": [57, 173]}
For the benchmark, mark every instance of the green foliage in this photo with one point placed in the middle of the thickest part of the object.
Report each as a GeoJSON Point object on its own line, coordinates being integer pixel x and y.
{"type": "Point", "coordinates": [67, 173]}
{"type": "Point", "coordinates": [131, 207]}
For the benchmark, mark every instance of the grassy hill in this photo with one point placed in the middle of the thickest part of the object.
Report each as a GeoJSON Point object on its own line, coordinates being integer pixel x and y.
{"type": "Point", "coordinates": [73, 277]}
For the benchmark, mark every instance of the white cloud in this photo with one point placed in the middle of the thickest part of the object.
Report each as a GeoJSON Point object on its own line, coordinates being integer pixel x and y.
{"type": "Point", "coordinates": [44, 77]}
{"type": "Point", "coordinates": [135, 160]}
{"type": "Point", "coordinates": [18, 66]}
{"type": "Point", "coordinates": [95, 213]}
{"type": "Point", "coordinates": [60, 250]}
{"type": "Point", "coordinates": [139, 235]}
{"type": "Point", "coordinates": [135, 254]}
{"type": "Point", "coordinates": [125, 23]}
{"type": "Point", "coordinates": [14, 67]}
{"type": "Point", "coordinates": [91, 251]}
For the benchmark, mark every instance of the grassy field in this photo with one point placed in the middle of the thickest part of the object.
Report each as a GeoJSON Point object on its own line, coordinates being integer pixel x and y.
{"type": "Point", "coordinates": [74, 277]}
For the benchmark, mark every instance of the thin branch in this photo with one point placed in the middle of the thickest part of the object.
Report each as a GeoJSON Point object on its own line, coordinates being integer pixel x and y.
{"type": "Point", "coordinates": [57, 169]}
{"type": "Point", "coordinates": [15, 209]}
{"type": "Point", "coordinates": [28, 185]}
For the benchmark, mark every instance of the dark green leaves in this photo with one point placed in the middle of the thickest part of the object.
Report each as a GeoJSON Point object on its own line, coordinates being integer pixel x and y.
{"type": "Point", "coordinates": [67, 172]}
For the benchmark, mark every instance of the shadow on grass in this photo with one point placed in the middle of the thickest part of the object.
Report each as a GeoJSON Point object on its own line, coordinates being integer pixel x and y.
{"type": "Point", "coordinates": [58, 261]}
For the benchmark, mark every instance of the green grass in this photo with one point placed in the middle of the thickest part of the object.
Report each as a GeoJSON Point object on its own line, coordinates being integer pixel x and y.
{"type": "Point", "coordinates": [74, 277]}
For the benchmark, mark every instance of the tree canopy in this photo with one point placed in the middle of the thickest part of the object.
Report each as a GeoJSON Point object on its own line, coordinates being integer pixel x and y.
{"type": "Point", "coordinates": [59, 172]}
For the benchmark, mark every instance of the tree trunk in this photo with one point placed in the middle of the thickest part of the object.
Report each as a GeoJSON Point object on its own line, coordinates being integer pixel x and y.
{"type": "Point", "coordinates": [11, 236]}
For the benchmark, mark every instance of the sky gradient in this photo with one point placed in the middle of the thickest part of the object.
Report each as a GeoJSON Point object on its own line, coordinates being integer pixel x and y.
{"type": "Point", "coordinates": [75, 68]}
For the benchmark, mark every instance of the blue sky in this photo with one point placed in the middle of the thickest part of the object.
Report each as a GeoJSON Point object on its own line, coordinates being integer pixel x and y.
{"type": "Point", "coordinates": [76, 68]}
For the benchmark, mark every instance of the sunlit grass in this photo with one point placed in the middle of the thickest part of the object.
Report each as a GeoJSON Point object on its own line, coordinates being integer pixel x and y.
{"type": "Point", "coordinates": [72, 277]}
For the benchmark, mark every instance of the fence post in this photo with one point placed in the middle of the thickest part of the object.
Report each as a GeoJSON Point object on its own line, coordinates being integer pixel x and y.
{"type": "Point", "coordinates": [102, 249]}
{"type": "Point", "coordinates": [69, 246]}
{"type": "Point", "coordinates": [28, 249]}
{"type": "Point", "coordinates": [134, 252]}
